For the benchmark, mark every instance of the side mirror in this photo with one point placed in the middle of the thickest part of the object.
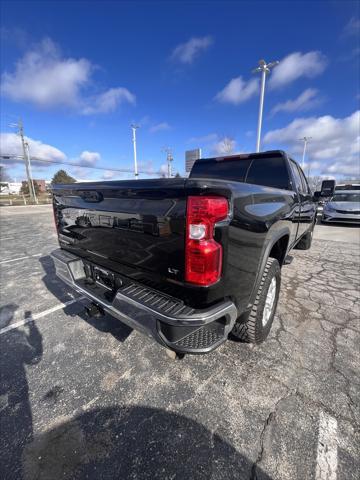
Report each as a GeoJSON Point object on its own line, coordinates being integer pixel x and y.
{"type": "Point", "coordinates": [316, 196]}
{"type": "Point", "coordinates": [327, 188]}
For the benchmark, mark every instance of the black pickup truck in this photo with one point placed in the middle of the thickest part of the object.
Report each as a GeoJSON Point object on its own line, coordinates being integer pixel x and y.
{"type": "Point", "coordinates": [187, 260]}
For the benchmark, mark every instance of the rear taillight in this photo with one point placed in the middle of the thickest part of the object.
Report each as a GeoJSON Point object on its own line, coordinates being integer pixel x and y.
{"type": "Point", "coordinates": [203, 255]}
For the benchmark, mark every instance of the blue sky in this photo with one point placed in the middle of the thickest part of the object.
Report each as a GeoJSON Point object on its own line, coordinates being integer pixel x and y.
{"type": "Point", "coordinates": [79, 73]}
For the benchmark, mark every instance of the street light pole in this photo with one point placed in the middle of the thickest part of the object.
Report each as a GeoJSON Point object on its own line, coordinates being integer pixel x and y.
{"type": "Point", "coordinates": [305, 140]}
{"type": "Point", "coordinates": [264, 68]}
{"type": "Point", "coordinates": [134, 128]}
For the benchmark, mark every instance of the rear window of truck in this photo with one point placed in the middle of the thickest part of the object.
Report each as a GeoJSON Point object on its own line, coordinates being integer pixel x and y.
{"type": "Point", "coordinates": [229, 169]}
{"type": "Point", "coordinates": [267, 171]}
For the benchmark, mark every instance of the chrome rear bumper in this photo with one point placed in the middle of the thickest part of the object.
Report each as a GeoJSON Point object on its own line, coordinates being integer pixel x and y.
{"type": "Point", "coordinates": [166, 319]}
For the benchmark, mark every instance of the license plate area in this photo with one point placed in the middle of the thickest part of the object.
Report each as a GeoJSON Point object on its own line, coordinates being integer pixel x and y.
{"type": "Point", "coordinates": [103, 277]}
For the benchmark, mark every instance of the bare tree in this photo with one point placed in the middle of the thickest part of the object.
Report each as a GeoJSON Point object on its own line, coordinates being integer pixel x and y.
{"type": "Point", "coordinates": [225, 146]}
{"type": "Point", "coordinates": [315, 182]}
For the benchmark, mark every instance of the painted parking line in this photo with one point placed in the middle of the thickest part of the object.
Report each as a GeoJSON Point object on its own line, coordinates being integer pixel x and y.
{"type": "Point", "coordinates": [20, 258]}
{"type": "Point", "coordinates": [37, 316]}
{"type": "Point", "coordinates": [326, 461]}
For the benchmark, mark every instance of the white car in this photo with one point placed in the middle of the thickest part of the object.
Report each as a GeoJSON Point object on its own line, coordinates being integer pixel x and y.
{"type": "Point", "coordinates": [343, 207]}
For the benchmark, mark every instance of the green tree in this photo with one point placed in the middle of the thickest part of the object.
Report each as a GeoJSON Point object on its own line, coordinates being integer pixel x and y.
{"type": "Point", "coordinates": [177, 175]}
{"type": "Point", "coordinates": [25, 188]}
{"type": "Point", "coordinates": [62, 177]}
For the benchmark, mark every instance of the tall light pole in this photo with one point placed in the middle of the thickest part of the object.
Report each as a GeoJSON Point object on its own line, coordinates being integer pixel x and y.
{"type": "Point", "coordinates": [134, 128]}
{"type": "Point", "coordinates": [264, 68]}
{"type": "Point", "coordinates": [305, 140]}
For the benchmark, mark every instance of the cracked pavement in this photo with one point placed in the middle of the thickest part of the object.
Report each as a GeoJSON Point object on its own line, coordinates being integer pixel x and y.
{"type": "Point", "coordinates": [84, 398]}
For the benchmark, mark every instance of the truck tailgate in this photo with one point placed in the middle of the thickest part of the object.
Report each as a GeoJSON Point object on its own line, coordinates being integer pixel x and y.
{"type": "Point", "coordinates": [132, 227]}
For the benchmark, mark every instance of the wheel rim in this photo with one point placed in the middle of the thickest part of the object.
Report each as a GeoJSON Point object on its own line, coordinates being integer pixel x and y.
{"type": "Point", "coordinates": [269, 302]}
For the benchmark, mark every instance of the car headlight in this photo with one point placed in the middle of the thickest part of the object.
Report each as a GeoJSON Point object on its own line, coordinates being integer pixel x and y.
{"type": "Point", "coordinates": [329, 208]}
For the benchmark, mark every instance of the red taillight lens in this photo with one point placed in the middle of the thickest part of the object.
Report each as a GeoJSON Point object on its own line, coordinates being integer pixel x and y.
{"type": "Point", "coordinates": [203, 255]}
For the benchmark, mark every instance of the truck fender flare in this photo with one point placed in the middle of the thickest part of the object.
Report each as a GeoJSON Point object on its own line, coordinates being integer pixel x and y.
{"type": "Point", "coordinates": [266, 253]}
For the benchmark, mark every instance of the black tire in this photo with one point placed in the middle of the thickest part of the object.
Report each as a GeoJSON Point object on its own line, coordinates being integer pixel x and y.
{"type": "Point", "coordinates": [253, 329]}
{"type": "Point", "coordinates": [305, 241]}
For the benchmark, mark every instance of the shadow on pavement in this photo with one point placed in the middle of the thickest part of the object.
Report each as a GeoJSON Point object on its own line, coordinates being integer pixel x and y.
{"type": "Point", "coordinates": [106, 324]}
{"type": "Point", "coordinates": [18, 349]}
{"type": "Point", "coordinates": [133, 442]}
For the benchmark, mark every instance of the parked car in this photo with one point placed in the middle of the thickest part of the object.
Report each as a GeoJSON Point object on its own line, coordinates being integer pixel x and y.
{"type": "Point", "coordinates": [343, 207]}
{"type": "Point", "coordinates": [347, 186]}
{"type": "Point", "coordinates": [187, 260]}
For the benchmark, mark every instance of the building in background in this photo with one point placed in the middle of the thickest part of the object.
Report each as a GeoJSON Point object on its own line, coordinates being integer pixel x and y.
{"type": "Point", "coordinates": [10, 188]}
{"type": "Point", "coordinates": [190, 158]}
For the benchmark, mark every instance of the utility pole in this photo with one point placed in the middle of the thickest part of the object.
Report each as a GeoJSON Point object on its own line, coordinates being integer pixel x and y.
{"type": "Point", "coordinates": [264, 68]}
{"type": "Point", "coordinates": [134, 128]}
{"type": "Point", "coordinates": [30, 172]}
{"type": "Point", "coordinates": [169, 159]}
{"type": "Point", "coordinates": [26, 154]}
{"type": "Point", "coordinates": [305, 140]}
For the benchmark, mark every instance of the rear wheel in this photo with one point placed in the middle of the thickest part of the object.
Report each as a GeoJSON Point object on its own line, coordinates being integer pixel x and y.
{"type": "Point", "coordinates": [257, 324]}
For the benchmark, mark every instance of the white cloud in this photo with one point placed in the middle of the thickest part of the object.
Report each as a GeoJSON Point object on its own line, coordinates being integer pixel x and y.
{"type": "Point", "coordinates": [352, 28]}
{"type": "Point", "coordinates": [11, 144]}
{"type": "Point", "coordinates": [335, 141]}
{"type": "Point", "coordinates": [159, 127]}
{"type": "Point", "coordinates": [340, 168]}
{"type": "Point", "coordinates": [225, 146]}
{"type": "Point", "coordinates": [109, 101]}
{"type": "Point", "coordinates": [164, 170]}
{"type": "Point", "coordinates": [305, 101]}
{"type": "Point", "coordinates": [297, 65]}
{"type": "Point", "coordinates": [46, 79]}
{"type": "Point", "coordinates": [238, 91]}
{"type": "Point", "coordinates": [187, 52]}
{"type": "Point", "coordinates": [110, 174]}
{"type": "Point", "coordinates": [89, 159]}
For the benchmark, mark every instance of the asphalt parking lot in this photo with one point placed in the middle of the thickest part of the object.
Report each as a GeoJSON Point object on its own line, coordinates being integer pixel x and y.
{"type": "Point", "coordinates": [84, 398]}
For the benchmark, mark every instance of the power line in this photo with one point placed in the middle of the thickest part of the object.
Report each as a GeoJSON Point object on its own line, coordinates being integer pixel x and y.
{"type": "Point", "coordinates": [4, 156]}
